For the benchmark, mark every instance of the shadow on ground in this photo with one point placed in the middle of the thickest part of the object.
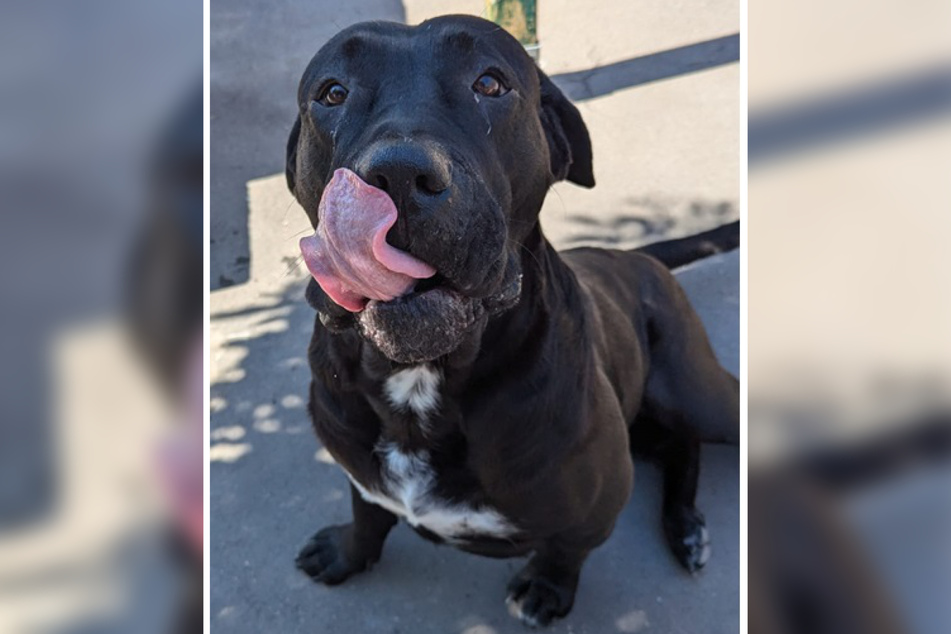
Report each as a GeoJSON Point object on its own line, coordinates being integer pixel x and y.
{"type": "Point", "coordinates": [603, 80]}
{"type": "Point", "coordinates": [638, 220]}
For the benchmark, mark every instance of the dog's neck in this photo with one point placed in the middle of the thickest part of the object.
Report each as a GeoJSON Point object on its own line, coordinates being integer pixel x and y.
{"type": "Point", "coordinates": [547, 285]}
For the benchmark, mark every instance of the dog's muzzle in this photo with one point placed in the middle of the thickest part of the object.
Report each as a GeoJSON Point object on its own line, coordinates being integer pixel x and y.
{"type": "Point", "coordinates": [399, 303]}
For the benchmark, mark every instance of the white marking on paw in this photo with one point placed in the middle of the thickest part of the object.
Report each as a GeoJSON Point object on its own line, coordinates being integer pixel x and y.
{"type": "Point", "coordinates": [699, 541]}
{"type": "Point", "coordinates": [416, 388]}
{"type": "Point", "coordinates": [408, 483]}
{"type": "Point", "coordinates": [515, 609]}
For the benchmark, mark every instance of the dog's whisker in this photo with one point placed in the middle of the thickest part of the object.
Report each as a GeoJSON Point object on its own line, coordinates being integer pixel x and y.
{"type": "Point", "coordinates": [293, 267]}
{"type": "Point", "coordinates": [299, 233]}
{"type": "Point", "coordinates": [564, 207]}
{"type": "Point", "coordinates": [287, 209]}
{"type": "Point", "coordinates": [526, 250]}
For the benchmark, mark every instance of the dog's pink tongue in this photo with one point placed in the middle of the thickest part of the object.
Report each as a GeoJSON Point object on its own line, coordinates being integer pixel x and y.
{"type": "Point", "coordinates": [348, 255]}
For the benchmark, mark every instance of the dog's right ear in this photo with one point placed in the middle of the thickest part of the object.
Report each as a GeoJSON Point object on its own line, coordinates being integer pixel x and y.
{"type": "Point", "coordinates": [290, 166]}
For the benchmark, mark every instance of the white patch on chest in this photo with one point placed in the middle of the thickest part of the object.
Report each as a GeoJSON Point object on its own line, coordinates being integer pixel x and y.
{"type": "Point", "coordinates": [408, 480]}
{"type": "Point", "coordinates": [416, 388]}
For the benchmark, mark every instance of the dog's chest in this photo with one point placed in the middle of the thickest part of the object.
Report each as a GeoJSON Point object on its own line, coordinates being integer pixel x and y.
{"type": "Point", "coordinates": [408, 481]}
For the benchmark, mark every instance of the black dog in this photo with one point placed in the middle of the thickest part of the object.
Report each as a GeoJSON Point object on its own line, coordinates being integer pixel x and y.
{"type": "Point", "coordinates": [495, 406]}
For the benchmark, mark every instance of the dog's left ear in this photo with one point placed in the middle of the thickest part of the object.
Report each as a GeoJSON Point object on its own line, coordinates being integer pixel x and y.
{"type": "Point", "coordinates": [568, 141]}
{"type": "Point", "coordinates": [290, 165]}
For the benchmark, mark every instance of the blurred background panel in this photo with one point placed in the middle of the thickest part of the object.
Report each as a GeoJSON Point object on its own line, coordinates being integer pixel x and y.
{"type": "Point", "coordinates": [850, 315]}
{"type": "Point", "coordinates": [100, 315]}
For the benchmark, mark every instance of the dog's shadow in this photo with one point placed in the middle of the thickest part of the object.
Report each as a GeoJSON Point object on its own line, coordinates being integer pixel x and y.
{"type": "Point", "coordinates": [637, 220]}
{"type": "Point", "coordinates": [272, 486]}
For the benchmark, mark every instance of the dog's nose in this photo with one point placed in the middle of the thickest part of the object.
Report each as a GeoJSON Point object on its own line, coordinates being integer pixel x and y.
{"type": "Point", "coordinates": [407, 170]}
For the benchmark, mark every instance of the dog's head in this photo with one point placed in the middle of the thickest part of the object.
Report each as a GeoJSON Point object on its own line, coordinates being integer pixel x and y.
{"type": "Point", "coordinates": [456, 124]}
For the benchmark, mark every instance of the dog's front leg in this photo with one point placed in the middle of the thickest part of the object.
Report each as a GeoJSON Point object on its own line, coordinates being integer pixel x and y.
{"type": "Point", "coordinates": [337, 552]}
{"type": "Point", "coordinates": [545, 588]}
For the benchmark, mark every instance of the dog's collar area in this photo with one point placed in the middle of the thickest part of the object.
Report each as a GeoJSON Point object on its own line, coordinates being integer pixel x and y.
{"type": "Point", "coordinates": [337, 320]}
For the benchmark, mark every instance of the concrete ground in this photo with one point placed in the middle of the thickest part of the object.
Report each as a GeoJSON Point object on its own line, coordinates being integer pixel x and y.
{"type": "Point", "coordinates": [658, 86]}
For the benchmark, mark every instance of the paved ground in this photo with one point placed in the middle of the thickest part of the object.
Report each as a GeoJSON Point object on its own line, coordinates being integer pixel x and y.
{"type": "Point", "coordinates": [655, 84]}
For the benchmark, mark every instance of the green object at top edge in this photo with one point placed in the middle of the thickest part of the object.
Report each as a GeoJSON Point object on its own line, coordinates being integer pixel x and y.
{"type": "Point", "coordinates": [518, 17]}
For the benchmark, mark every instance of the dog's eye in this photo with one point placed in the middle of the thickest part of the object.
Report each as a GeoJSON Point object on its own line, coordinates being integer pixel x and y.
{"type": "Point", "coordinates": [333, 95]}
{"type": "Point", "coordinates": [489, 85]}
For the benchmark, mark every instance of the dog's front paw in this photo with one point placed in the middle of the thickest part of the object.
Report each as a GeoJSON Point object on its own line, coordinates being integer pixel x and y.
{"type": "Point", "coordinates": [536, 601]}
{"type": "Point", "coordinates": [329, 556]}
{"type": "Point", "coordinates": [689, 539]}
